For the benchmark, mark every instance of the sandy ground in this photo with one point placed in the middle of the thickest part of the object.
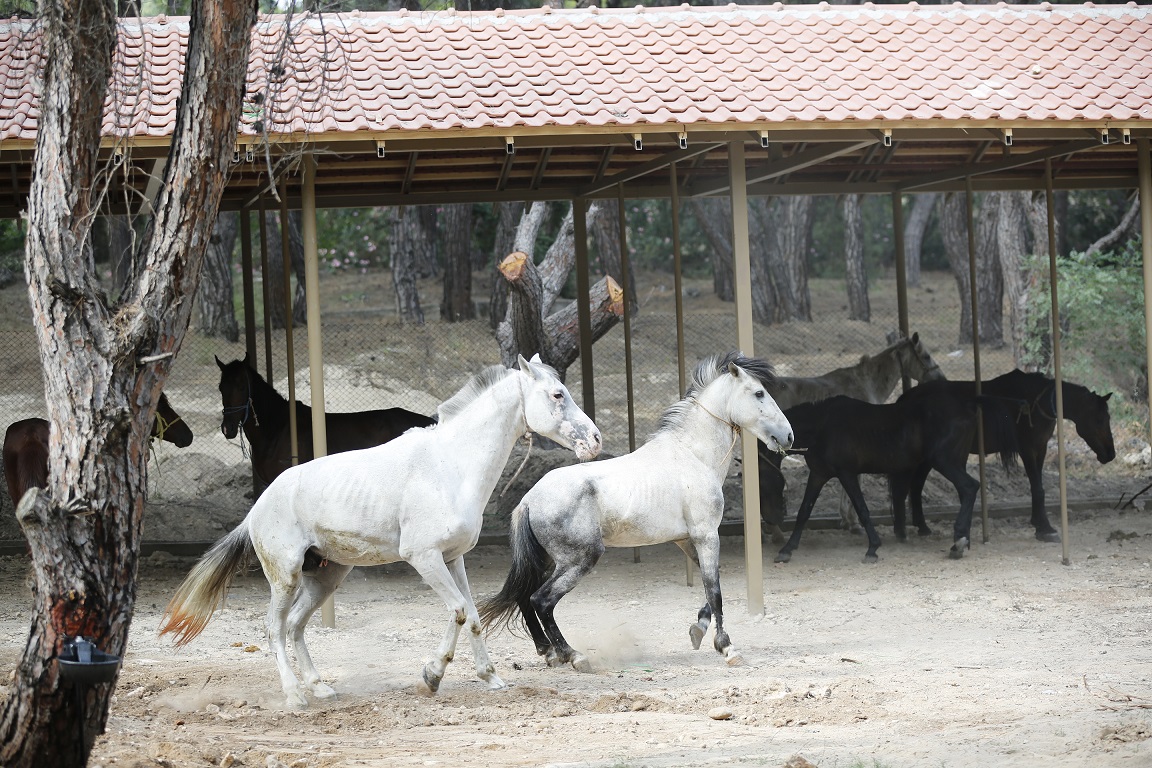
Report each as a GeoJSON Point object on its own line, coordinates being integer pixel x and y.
{"type": "Point", "coordinates": [1007, 657]}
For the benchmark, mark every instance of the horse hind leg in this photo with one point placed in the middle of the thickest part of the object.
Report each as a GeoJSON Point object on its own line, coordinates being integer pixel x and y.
{"type": "Point", "coordinates": [697, 631]}
{"type": "Point", "coordinates": [567, 573]}
{"type": "Point", "coordinates": [485, 669]}
{"type": "Point", "coordinates": [319, 580]}
{"type": "Point", "coordinates": [279, 608]}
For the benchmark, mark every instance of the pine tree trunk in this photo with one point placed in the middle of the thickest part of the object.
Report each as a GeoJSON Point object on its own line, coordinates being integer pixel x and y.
{"type": "Point", "coordinates": [456, 235]}
{"type": "Point", "coordinates": [402, 237]}
{"type": "Point", "coordinates": [791, 228]}
{"type": "Point", "coordinates": [855, 274]}
{"type": "Point", "coordinates": [605, 232]}
{"type": "Point", "coordinates": [765, 302]}
{"type": "Point", "coordinates": [507, 217]}
{"type": "Point", "coordinates": [275, 277]}
{"type": "Point", "coordinates": [1011, 231]}
{"type": "Point", "coordinates": [915, 227]}
{"type": "Point", "coordinates": [104, 364]}
{"type": "Point", "coordinates": [714, 216]}
{"type": "Point", "coordinates": [990, 286]}
{"type": "Point", "coordinates": [216, 314]}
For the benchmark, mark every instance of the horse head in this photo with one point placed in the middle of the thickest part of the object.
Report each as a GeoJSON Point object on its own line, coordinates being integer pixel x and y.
{"type": "Point", "coordinates": [1094, 424]}
{"type": "Point", "coordinates": [549, 410]}
{"type": "Point", "coordinates": [235, 395]}
{"type": "Point", "coordinates": [750, 406]}
{"type": "Point", "coordinates": [170, 426]}
{"type": "Point", "coordinates": [916, 361]}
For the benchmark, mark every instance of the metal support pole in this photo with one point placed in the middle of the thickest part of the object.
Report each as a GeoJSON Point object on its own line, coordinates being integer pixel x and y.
{"type": "Point", "coordinates": [626, 284]}
{"type": "Point", "coordinates": [968, 202]}
{"type": "Point", "coordinates": [901, 276]}
{"type": "Point", "coordinates": [678, 286]}
{"type": "Point", "coordinates": [742, 277]}
{"type": "Point", "coordinates": [583, 305]}
{"type": "Point", "coordinates": [290, 351]}
{"type": "Point", "coordinates": [1144, 166]}
{"type": "Point", "coordinates": [315, 338]}
{"type": "Point", "coordinates": [248, 284]}
{"type": "Point", "coordinates": [1049, 199]}
{"type": "Point", "coordinates": [265, 292]}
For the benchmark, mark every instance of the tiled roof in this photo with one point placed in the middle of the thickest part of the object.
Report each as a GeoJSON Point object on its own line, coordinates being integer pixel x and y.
{"type": "Point", "coordinates": [572, 71]}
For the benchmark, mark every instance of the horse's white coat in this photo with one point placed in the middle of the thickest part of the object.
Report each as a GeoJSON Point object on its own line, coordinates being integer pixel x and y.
{"type": "Point", "coordinates": [669, 489]}
{"type": "Point", "coordinates": [418, 498]}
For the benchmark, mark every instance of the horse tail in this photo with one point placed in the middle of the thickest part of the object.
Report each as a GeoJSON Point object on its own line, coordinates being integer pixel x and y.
{"type": "Point", "coordinates": [203, 590]}
{"type": "Point", "coordinates": [1000, 429]}
{"type": "Point", "coordinates": [530, 566]}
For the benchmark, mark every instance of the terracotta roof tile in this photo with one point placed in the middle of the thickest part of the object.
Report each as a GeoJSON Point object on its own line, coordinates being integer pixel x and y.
{"type": "Point", "coordinates": [658, 67]}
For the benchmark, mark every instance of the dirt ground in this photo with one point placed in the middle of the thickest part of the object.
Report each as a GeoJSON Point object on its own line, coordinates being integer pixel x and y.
{"type": "Point", "coordinates": [1007, 657]}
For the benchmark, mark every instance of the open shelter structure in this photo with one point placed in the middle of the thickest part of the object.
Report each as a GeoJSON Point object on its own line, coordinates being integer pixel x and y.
{"type": "Point", "coordinates": [366, 109]}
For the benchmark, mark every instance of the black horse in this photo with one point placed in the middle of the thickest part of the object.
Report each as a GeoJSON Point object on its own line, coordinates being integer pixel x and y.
{"type": "Point", "coordinates": [254, 405]}
{"type": "Point", "coordinates": [1031, 400]}
{"type": "Point", "coordinates": [844, 438]}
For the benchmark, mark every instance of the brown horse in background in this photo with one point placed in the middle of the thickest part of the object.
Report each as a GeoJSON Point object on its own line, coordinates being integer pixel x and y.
{"type": "Point", "coordinates": [26, 447]}
{"type": "Point", "coordinates": [254, 405]}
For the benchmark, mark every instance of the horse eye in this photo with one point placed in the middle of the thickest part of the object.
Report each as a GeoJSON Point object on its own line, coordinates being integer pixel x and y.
{"type": "Point", "coordinates": [557, 395]}
{"type": "Point", "coordinates": [759, 394]}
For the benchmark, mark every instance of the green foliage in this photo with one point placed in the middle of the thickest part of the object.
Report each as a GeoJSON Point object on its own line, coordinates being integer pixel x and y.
{"type": "Point", "coordinates": [11, 246]}
{"type": "Point", "coordinates": [352, 239]}
{"type": "Point", "coordinates": [1101, 298]}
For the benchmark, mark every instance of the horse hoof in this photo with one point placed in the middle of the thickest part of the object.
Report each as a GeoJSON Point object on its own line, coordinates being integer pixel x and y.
{"type": "Point", "coordinates": [296, 700]}
{"type": "Point", "coordinates": [958, 549]}
{"type": "Point", "coordinates": [430, 682]}
{"type": "Point", "coordinates": [580, 663]}
{"type": "Point", "coordinates": [871, 559]}
{"type": "Point", "coordinates": [554, 661]}
{"type": "Point", "coordinates": [783, 557]}
{"type": "Point", "coordinates": [495, 683]}
{"type": "Point", "coordinates": [322, 691]}
{"type": "Point", "coordinates": [734, 658]}
{"type": "Point", "coordinates": [901, 536]}
{"type": "Point", "coordinates": [925, 531]}
{"type": "Point", "coordinates": [1048, 537]}
{"type": "Point", "coordinates": [697, 635]}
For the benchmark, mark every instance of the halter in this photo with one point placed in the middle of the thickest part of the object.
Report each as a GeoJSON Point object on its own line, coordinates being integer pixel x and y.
{"type": "Point", "coordinates": [731, 425]}
{"type": "Point", "coordinates": [928, 369]}
{"type": "Point", "coordinates": [162, 426]}
{"type": "Point", "coordinates": [1036, 405]}
{"type": "Point", "coordinates": [249, 410]}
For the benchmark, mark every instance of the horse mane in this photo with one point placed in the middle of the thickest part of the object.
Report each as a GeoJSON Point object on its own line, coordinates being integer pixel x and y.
{"type": "Point", "coordinates": [476, 385]}
{"type": "Point", "coordinates": [265, 398]}
{"type": "Point", "coordinates": [707, 371]}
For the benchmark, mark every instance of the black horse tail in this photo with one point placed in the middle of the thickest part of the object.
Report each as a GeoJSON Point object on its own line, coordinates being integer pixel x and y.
{"type": "Point", "coordinates": [530, 567]}
{"type": "Point", "coordinates": [1000, 429]}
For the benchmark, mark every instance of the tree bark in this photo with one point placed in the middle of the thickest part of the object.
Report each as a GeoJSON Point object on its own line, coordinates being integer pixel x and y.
{"type": "Point", "coordinates": [1012, 244]}
{"type": "Point", "coordinates": [276, 310]}
{"type": "Point", "coordinates": [105, 364]}
{"type": "Point", "coordinates": [791, 223]}
{"type": "Point", "coordinates": [855, 275]}
{"type": "Point", "coordinates": [605, 231]}
{"type": "Point", "coordinates": [990, 287]}
{"type": "Point", "coordinates": [216, 313]}
{"type": "Point", "coordinates": [714, 216]}
{"type": "Point", "coordinates": [556, 338]}
{"type": "Point", "coordinates": [507, 217]}
{"type": "Point", "coordinates": [456, 235]}
{"type": "Point", "coordinates": [404, 233]}
{"type": "Point", "coordinates": [765, 301]}
{"type": "Point", "coordinates": [915, 227]}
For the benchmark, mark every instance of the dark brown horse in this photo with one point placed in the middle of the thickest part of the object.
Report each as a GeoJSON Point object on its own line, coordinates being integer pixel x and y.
{"type": "Point", "coordinates": [26, 447]}
{"type": "Point", "coordinates": [254, 405]}
{"type": "Point", "coordinates": [1031, 399]}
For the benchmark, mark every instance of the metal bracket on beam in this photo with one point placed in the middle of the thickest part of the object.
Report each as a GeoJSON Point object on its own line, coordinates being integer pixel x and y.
{"type": "Point", "coordinates": [764, 139]}
{"type": "Point", "coordinates": [886, 137]}
{"type": "Point", "coordinates": [1007, 133]}
{"type": "Point", "coordinates": [380, 151]}
{"type": "Point", "coordinates": [1125, 136]}
{"type": "Point", "coordinates": [637, 141]}
{"type": "Point", "coordinates": [1104, 136]}
{"type": "Point", "coordinates": [509, 145]}
{"type": "Point", "coordinates": [683, 140]}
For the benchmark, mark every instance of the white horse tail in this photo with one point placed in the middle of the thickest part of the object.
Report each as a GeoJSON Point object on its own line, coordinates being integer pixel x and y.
{"type": "Point", "coordinates": [203, 590]}
{"type": "Point", "coordinates": [530, 567]}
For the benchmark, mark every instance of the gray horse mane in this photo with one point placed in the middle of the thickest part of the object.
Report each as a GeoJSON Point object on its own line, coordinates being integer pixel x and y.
{"type": "Point", "coordinates": [476, 386]}
{"type": "Point", "coordinates": [707, 371]}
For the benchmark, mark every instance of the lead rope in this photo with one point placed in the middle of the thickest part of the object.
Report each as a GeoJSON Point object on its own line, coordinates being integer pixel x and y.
{"type": "Point", "coordinates": [734, 427]}
{"type": "Point", "coordinates": [527, 453]}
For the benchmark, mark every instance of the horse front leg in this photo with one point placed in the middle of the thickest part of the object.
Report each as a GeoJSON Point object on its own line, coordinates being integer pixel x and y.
{"type": "Point", "coordinates": [851, 484]}
{"type": "Point", "coordinates": [708, 549]}
{"type": "Point", "coordinates": [697, 631]}
{"type": "Point", "coordinates": [1033, 462]}
{"type": "Point", "coordinates": [816, 481]}
{"type": "Point", "coordinates": [967, 488]}
{"type": "Point", "coordinates": [429, 563]}
{"type": "Point", "coordinates": [916, 499]}
{"type": "Point", "coordinates": [485, 669]}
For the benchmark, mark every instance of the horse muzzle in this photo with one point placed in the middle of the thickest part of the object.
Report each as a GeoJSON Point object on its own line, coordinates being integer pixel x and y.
{"type": "Point", "coordinates": [588, 447]}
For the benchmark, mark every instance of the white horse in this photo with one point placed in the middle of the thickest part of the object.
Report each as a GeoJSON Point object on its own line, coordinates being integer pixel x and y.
{"type": "Point", "coordinates": [419, 498]}
{"type": "Point", "coordinates": [669, 489]}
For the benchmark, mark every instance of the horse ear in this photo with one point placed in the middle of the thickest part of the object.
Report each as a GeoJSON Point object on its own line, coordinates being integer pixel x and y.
{"type": "Point", "coordinates": [916, 337]}
{"type": "Point", "coordinates": [733, 369]}
{"type": "Point", "coordinates": [1107, 396]}
{"type": "Point", "coordinates": [218, 363]}
{"type": "Point", "coordinates": [524, 366]}
{"type": "Point", "coordinates": [536, 358]}
{"type": "Point", "coordinates": [247, 360]}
